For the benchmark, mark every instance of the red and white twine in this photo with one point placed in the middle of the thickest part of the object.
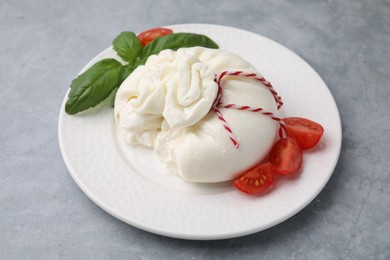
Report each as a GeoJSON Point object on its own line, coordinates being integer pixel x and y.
{"type": "Point", "coordinates": [218, 103]}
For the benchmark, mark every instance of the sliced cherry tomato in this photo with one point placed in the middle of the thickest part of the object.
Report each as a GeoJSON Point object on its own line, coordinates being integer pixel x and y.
{"type": "Point", "coordinates": [286, 156]}
{"type": "Point", "coordinates": [306, 132]}
{"type": "Point", "coordinates": [151, 34]}
{"type": "Point", "coordinates": [256, 180]}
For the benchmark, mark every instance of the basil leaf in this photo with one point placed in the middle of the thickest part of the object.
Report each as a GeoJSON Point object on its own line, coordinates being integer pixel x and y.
{"type": "Point", "coordinates": [93, 86]}
{"type": "Point", "coordinates": [128, 46]}
{"type": "Point", "coordinates": [175, 41]}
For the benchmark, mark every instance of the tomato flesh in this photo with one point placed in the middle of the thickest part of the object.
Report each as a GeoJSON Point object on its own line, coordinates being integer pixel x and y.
{"type": "Point", "coordinates": [286, 157]}
{"type": "Point", "coordinates": [304, 131]}
{"type": "Point", "coordinates": [151, 34]}
{"type": "Point", "coordinates": [256, 180]}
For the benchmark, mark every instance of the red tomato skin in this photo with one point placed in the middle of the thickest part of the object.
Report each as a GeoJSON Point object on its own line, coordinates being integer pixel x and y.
{"type": "Point", "coordinates": [305, 132]}
{"type": "Point", "coordinates": [286, 157]}
{"type": "Point", "coordinates": [257, 180]}
{"type": "Point", "coordinates": [151, 34]}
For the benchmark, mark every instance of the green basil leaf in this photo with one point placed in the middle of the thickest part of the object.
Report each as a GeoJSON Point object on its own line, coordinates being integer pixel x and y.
{"type": "Point", "coordinates": [128, 46]}
{"type": "Point", "coordinates": [93, 86]}
{"type": "Point", "coordinates": [175, 41]}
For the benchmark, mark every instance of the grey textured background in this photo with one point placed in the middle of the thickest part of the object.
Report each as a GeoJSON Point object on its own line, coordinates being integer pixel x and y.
{"type": "Point", "coordinates": [44, 44]}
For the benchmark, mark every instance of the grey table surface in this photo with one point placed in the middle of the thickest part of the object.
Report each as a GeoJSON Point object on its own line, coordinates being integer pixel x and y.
{"type": "Point", "coordinates": [44, 44]}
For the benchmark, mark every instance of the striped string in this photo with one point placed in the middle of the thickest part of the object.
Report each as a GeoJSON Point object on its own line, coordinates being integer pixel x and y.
{"type": "Point", "coordinates": [218, 103]}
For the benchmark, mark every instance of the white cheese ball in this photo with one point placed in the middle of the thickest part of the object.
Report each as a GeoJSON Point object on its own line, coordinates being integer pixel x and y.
{"type": "Point", "coordinates": [166, 105]}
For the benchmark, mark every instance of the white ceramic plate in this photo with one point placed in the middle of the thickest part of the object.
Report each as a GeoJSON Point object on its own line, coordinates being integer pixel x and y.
{"type": "Point", "coordinates": [131, 184]}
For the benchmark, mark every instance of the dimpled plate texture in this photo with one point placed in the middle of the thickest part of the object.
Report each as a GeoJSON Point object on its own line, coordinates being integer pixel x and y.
{"type": "Point", "coordinates": [133, 186]}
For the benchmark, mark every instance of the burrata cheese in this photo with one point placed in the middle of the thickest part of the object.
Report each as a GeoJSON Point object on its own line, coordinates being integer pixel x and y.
{"type": "Point", "coordinates": [166, 105]}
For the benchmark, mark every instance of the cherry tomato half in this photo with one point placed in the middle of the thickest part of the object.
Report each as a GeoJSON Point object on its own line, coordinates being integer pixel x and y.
{"type": "Point", "coordinates": [306, 132]}
{"type": "Point", "coordinates": [256, 180]}
{"type": "Point", "coordinates": [286, 156]}
{"type": "Point", "coordinates": [151, 34]}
